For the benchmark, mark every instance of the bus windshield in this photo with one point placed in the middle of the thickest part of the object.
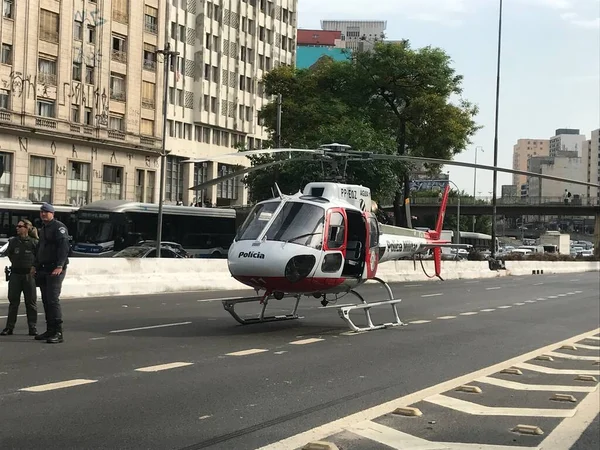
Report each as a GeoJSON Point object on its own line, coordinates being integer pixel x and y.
{"type": "Point", "coordinates": [94, 231]}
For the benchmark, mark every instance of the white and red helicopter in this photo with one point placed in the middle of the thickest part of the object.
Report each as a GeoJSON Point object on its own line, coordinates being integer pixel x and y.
{"type": "Point", "coordinates": [322, 242]}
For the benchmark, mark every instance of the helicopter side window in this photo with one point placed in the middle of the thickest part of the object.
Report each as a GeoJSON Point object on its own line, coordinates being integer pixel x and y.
{"type": "Point", "coordinates": [335, 235]}
{"type": "Point", "coordinates": [373, 232]}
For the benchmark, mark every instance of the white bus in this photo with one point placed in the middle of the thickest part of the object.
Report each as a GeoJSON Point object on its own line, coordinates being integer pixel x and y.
{"type": "Point", "coordinates": [108, 226]}
{"type": "Point", "coordinates": [13, 210]}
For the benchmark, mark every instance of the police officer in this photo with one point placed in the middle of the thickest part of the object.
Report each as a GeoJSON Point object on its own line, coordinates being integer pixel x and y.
{"type": "Point", "coordinates": [50, 269]}
{"type": "Point", "coordinates": [21, 252]}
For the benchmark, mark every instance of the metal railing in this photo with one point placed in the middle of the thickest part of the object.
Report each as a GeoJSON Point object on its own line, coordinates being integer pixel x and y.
{"type": "Point", "coordinates": [516, 201]}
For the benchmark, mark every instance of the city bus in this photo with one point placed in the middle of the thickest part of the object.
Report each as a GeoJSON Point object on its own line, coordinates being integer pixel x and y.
{"type": "Point", "coordinates": [13, 210]}
{"type": "Point", "coordinates": [105, 227]}
{"type": "Point", "coordinates": [480, 242]}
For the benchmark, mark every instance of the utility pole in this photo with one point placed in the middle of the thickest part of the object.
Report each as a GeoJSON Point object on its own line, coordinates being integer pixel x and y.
{"type": "Point", "coordinates": [278, 131]}
{"type": "Point", "coordinates": [168, 54]}
{"type": "Point", "coordinates": [495, 177]}
{"type": "Point", "coordinates": [475, 181]}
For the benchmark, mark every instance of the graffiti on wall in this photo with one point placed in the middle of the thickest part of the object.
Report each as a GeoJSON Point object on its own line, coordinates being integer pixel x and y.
{"type": "Point", "coordinates": [92, 18]}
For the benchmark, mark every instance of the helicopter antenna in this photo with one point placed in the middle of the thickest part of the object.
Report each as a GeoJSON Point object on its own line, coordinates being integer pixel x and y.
{"type": "Point", "coordinates": [279, 194]}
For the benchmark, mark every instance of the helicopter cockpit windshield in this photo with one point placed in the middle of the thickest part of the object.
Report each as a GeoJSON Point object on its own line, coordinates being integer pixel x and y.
{"type": "Point", "coordinates": [297, 222]}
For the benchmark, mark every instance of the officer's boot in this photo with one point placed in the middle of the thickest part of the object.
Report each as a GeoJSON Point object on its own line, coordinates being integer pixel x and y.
{"type": "Point", "coordinates": [32, 329]}
{"type": "Point", "coordinates": [49, 332]}
{"type": "Point", "coordinates": [57, 336]}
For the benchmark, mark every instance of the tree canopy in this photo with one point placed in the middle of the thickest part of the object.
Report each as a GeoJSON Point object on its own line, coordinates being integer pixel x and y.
{"type": "Point", "coordinates": [390, 99]}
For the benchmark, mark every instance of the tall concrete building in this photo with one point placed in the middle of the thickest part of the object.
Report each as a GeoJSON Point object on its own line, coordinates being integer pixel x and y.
{"type": "Point", "coordinates": [80, 90]}
{"type": "Point", "coordinates": [566, 140]}
{"type": "Point", "coordinates": [522, 151]}
{"type": "Point", "coordinates": [591, 157]}
{"type": "Point", "coordinates": [564, 164]}
{"type": "Point", "coordinates": [215, 90]}
{"type": "Point", "coordinates": [357, 34]}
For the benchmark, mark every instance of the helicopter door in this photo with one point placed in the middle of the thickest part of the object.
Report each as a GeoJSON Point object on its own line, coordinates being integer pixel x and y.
{"type": "Point", "coordinates": [334, 245]}
{"type": "Point", "coordinates": [373, 244]}
{"type": "Point", "coordinates": [356, 247]}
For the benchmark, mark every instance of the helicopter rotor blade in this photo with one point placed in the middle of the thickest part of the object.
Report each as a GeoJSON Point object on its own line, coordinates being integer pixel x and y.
{"type": "Point", "coordinates": [243, 171]}
{"type": "Point", "coordinates": [444, 162]}
{"type": "Point", "coordinates": [265, 151]}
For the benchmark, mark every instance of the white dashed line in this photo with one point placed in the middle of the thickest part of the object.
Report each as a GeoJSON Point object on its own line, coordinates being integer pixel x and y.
{"type": "Point", "coordinates": [306, 341]}
{"type": "Point", "coordinates": [97, 338]}
{"type": "Point", "coordinates": [417, 322]}
{"type": "Point", "coordinates": [151, 327]}
{"type": "Point", "coordinates": [552, 296]}
{"type": "Point", "coordinates": [472, 313]}
{"type": "Point", "coordinates": [488, 310]}
{"type": "Point", "coordinates": [251, 351]}
{"type": "Point", "coordinates": [518, 304]}
{"type": "Point", "coordinates": [432, 295]}
{"type": "Point", "coordinates": [541, 299]}
{"type": "Point", "coordinates": [504, 307]}
{"type": "Point", "coordinates": [538, 284]}
{"type": "Point", "coordinates": [280, 352]}
{"type": "Point", "coordinates": [471, 282]}
{"type": "Point", "coordinates": [412, 285]}
{"type": "Point", "coordinates": [446, 317]}
{"type": "Point", "coordinates": [204, 417]}
{"type": "Point", "coordinates": [20, 315]}
{"type": "Point", "coordinates": [163, 367]}
{"type": "Point", "coordinates": [530, 301]}
{"type": "Point", "coordinates": [493, 288]}
{"type": "Point", "coordinates": [562, 295]}
{"type": "Point", "coordinates": [578, 292]}
{"type": "Point", "coordinates": [59, 385]}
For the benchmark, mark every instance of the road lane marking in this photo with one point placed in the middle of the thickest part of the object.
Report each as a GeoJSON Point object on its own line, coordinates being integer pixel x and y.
{"type": "Point", "coordinates": [562, 295]}
{"type": "Point", "coordinates": [20, 315]}
{"type": "Point", "coordinates": [432, 295]}
{"type": "Point", "coordinates": [472, 313]}
{"type": "Point", "coordinates": [589, 347]}
{"type": "Point", "coordinates": [97, 338]}
{"type": "Point", "coordinates": [488, 310]}
{"type": "Point", "coordinates": [574, 357]}
{"type": "Point", "coordinates": [151, 327]}
{"type": "Point", "coordinates": [446, 317]}
{"type": "Point", "coordinates": [596, 338]}
{"type": "Point", "coordinates": [530, 301]}
{"type": "Point", "coordinates": [251, 351]}
{"type": "Point", "coordinates": [504, 307]}
{"type": "Point", "coordinates": [306, 341]}
{"type": "Point", "coordinates": [412, 285]}
{"type": "Point", "coordinates": [518, 304]}
{"type": "Point", "coordinates": [493, 288]}
{"type": "Point", "coordinates": [540, 299]}
{"type": "Point", "coordinates": [552, 371]}
{"type": "Point", "coordinates": [481, 410]}
{"type": "Point", "coordinates": [553, 296]}
{"type": "Point", "coordinates": [533, 387]}
{"type": "Point", "coordinates": [163, 367]}
{"type": "Point", "coordinates": [417, 322]}
{"type": "Point", "coordinates": [344, 423]}
{"type": "Point", "coordinates": [578, 292]}
{"type": "Point", "coordinates": [471, 282]}
{"type": "Point", "coordinates": [58, 385]}
{"type": "Point", "coordinates": [538, 284]}
{"type": "Point", "coordinates": [203, 300]}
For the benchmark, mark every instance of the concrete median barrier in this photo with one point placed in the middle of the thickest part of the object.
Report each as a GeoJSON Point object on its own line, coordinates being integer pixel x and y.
{"type": "Point", "coordinates": [102, 277]}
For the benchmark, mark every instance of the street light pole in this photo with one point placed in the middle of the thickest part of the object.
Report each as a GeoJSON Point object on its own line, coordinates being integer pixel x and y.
{"type": "Point", "coordinates": [168, 54]}
{"type": "Point", "coordinates": [475, 181]}
{"type": "Point", "coordinates": [495, 177]}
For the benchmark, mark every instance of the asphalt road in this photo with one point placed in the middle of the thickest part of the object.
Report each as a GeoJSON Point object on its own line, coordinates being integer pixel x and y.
{"type": "Point", "coordinates": [207, 382]}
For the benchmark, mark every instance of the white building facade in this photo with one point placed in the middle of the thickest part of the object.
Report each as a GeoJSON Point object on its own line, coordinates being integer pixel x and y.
{"type": "Point", "coordinates": [591, 156]}
{"type": "Point", "coordinates": [79, 116]}
{"type": "Point", "coordinates": [215, 90]}
{"type": "Point", "coordinates": [357, 34]}
{"type": "Point", "coordinates": [567, 140]}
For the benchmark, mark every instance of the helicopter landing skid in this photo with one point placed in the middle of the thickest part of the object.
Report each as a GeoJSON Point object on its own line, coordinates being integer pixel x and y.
{"type": "Point", "coordinates": [229, 306]}
{"type": "Point", "coordinates": [344, 311]}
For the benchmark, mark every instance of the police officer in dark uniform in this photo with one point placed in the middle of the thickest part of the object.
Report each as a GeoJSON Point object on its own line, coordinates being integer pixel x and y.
{"type": "Point", "coordinates": [50, 269]}
{"type": "Point", "coordinates": [21, 252]}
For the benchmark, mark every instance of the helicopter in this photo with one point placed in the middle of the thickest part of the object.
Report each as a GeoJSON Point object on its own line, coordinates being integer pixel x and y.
{"type": "Point", "coordinates": [323, 242]}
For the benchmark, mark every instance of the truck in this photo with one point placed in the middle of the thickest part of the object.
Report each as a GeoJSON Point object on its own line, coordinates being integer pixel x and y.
{"type": "Point", "coordinates": [556, 242]}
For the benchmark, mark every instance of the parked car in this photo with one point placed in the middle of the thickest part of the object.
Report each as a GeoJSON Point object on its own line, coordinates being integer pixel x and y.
{"type": "Point", "coordinates": [178, 248]}
{"type": "Point", "coordinates": [146, 251]}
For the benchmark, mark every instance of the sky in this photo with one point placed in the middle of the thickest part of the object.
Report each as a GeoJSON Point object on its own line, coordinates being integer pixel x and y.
{"type": "Point", "coordinates": [549, 69]}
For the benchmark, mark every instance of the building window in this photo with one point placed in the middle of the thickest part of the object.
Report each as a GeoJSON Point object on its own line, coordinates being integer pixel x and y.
{"type": "Point", "coordinates": [200, 176]}
{"type": "Point", "coordinates": [75, 114]}
{"type": "Point", "coordinates": [151, 19]}
{"type": "Point", "coordinates": [91, 34]}
{"type": "Point", "coordinates": [112, 182]}
{"type": "Point", "coordinates": [7, 54]}
{"type": "Point", "coordinates": [149, 57]}
{"type": "Point", "coordinates": [116, 122]}
{"type": "Point", "coordinates": [117, 87]}
{"type": "Point", "coordinates": [76, 71]}
{"type": "Point", "coordinates": [47, 71]}
{"type": "Point", "coordinates": [6, 178]}
{"type": "Point", "coordinates": [4, 99]}
{"type": "Point", "coordinates": [148, 95]}
{"type": "Point", "coordinates": [77, 30]}
{"type": "Point", "coordinates": [120, 11]}
{"type": "Point", "coordinates": [78, 183]}
{"type": "Point", "coordinates": [49, 26]}
{"type": "Point", "coordinates": [119, 49]}
{"type": "Point", "coordinates": [150, 185]}
{"type": "Point", "coordinates": [46, 108]}
{"type": "Point", "coordinates": [139, 185]}
{"type": "Point", "coordinates": [8, 9]}
{"type": "Point", "coordinates": [228, 188]}
{"type": "Point", "coordinates": [41, 172]}
{"type": "Point", "coordinates": [89, 75]}
{"type": "Point", "coordinates": [147, 127]}
{"type": "Point", "coordinates": [174, 179]}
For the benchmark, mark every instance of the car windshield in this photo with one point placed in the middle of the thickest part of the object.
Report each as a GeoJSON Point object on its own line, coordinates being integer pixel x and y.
{"type": "Point", "coordinates": [300, 223]}
{"type": "Point", "coordinates": [257, 220]}
{"type": "Point", "coordinates": [131, 252]}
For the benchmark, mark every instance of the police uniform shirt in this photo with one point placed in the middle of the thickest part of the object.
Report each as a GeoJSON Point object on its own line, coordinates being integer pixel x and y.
{"type": "Point", "coordinates": [53, 250]}
{"type": "Point", "coordinates": [21, 252]}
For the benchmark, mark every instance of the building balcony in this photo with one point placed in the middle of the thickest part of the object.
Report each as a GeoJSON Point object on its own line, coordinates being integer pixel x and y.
{"type": "Point", "coordinates": [149, 65]}
{"type": "Point", "coordinates": [119, 56]}
{"type": "Point", "coordinates": [49, 79]}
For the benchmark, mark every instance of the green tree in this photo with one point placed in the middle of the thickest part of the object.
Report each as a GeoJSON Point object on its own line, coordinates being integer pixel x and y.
{"type": "Point", "coordinates": [386, 100]}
